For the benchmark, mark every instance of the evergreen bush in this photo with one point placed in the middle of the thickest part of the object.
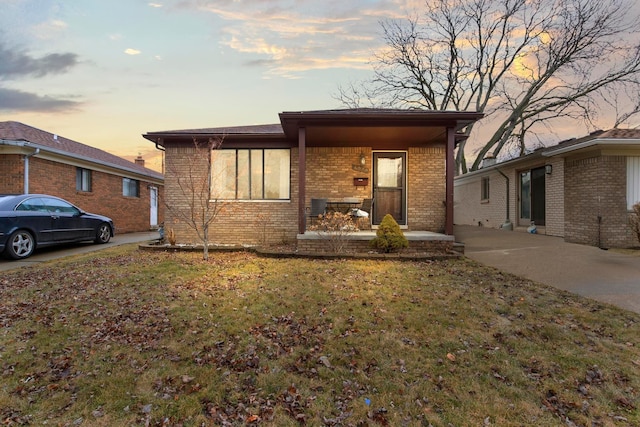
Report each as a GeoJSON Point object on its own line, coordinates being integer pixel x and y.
{"type": "Point", "coordinates": [389, 236]}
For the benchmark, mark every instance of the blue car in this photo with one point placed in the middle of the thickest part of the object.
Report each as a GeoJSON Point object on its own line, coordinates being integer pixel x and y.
{"type": "Point", "coordinates": [31, 221]}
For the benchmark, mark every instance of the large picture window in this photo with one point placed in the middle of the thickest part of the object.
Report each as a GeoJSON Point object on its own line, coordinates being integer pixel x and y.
{"type": "Point", "coordinates": [255, 174]}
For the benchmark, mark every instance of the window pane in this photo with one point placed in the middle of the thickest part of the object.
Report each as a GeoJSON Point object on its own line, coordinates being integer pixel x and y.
{"type": "Point", "coordinates": [256, 174]}
{"type": "Point", "coordinates": [130, 187]}
{"type": "Point", "coordinates": [389, 171]}
{"type": "Point", "coordinates": [83, 179]}
{"type": "Point", "coordinates": [243, 174]}
{"type": "Point", "coordinates": [485, 188]}
{"type": "Point", "coordinates": [223, 174]}
{"type": "Point", "coordinates": [276, 174]}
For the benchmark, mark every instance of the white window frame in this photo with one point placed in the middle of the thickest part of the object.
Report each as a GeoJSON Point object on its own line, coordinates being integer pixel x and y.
{"type": "Point", "coordinates": [633, 181]}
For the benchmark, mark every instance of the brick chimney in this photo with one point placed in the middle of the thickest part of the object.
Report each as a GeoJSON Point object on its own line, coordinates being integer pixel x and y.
{"type": "Point", "coordinates": [139, 160]}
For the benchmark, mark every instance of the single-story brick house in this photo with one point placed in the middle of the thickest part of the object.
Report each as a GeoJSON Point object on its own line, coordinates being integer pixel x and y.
{"type": "Point", "coordinates": [580, 189]}
{"type": "Point", "coordinates": [35, 161]}
{"type": "Point", "coordinates": [401, 159]}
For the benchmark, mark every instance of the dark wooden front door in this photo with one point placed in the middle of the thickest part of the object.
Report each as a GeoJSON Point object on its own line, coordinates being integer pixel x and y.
{"type": "Point", "coordinates": [389, 186]}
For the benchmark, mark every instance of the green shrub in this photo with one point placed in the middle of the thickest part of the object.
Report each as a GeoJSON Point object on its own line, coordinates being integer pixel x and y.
{"type": "Point", "coordinates": [389, 237]}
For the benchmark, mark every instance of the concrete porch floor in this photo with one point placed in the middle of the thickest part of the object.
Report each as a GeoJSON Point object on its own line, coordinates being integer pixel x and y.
{"type": "Point", "coordinates": [370, 234]}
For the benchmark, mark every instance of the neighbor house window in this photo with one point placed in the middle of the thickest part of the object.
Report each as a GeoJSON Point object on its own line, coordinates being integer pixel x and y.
{"type": "Point", "coordinates": [484, 193]}
{"type": "Point", "coordinates": [83, 179]}
{"type": "Point", "coordinates": [255, 174]}
{"type": "Point", "coordinates": [633, 181]}
{"type": "Point", "coordinates": [130, 187]}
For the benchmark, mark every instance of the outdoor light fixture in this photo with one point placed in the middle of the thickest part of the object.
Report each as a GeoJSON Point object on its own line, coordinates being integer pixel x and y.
{"type": "Point", "coordinates": [363, 160]}
{"type": "Point", "coordinates": [548, 169]}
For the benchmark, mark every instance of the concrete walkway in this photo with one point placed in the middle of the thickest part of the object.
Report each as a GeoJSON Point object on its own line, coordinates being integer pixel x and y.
{"type": "Point", "coordinates": [606, 276]}
{"type": "Point", "coordinates": [55, 252]}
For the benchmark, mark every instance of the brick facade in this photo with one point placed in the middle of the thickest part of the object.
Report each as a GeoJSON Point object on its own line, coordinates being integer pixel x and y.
{"type": "Point", "coordinates": [585, 199]}
{"type": "Point", "coordinates": [129, 214]}
{"type": "Point", "coordinates": [329, 174]}
{"type": "Point", "coordinates": [595, 201]}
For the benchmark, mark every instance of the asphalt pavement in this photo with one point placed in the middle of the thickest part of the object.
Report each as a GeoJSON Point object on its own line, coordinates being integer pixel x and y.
{"type": "Point", "coordinates": [604, 275]}
{"type": "Point", "coordinates": [55, 252]}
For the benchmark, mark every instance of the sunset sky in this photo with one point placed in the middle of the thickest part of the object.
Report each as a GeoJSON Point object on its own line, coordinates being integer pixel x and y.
{"type": "Point", "coordinates": [104, 72]}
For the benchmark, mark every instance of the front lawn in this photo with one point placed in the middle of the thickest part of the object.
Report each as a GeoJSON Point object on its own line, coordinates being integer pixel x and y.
{"type": "Point", "coordinates": [122, 337]}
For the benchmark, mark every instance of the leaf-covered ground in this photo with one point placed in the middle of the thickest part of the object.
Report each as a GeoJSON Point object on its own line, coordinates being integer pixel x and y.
{"type": "Point", "coordinates": [122, 337]}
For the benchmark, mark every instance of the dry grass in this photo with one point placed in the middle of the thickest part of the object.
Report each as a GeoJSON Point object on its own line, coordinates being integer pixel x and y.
{"type": "Point", "coordinates": [122, 337]}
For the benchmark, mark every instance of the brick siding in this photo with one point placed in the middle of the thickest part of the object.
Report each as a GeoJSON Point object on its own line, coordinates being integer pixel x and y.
{"type": "Point", "coordinates": [595, 202]}
{"type": "Point", "coordinates": [129, 214]}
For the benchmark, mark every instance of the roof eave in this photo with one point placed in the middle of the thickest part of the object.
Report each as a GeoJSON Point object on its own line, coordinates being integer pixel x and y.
{"type": "Point", "coordinates": [555, 151]}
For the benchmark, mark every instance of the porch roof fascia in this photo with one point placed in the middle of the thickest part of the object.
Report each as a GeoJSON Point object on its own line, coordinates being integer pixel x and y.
{"type": "Point", "coordinates": [458, 120]}
{"type": "Point", "coordinates": [285, 134]}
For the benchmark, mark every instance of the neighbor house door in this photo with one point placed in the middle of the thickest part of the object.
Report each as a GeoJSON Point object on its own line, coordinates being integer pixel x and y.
{"type": "Point", "coordinates": [153, 200]}
{"type": "Point", "coordinates": [532, 196]}
{"type": "Point", "coordinates": [390, 186]}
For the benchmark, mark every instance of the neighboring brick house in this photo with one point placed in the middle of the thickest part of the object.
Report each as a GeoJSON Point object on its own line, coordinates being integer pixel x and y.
{"type": "Point", "coordinates": [581, 189]}
{"type": "Point", "coordinates": [402, 159]}
{"type": "Point", "coordinates": [35, 161]}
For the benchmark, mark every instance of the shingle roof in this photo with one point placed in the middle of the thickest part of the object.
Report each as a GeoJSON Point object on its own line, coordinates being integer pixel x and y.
{"type": "Point", "coordinates": [16, 131]}
{"type": "Point", "coordinates": [601, 136]}
{"type": "Point", "coordinates": [229, 130]}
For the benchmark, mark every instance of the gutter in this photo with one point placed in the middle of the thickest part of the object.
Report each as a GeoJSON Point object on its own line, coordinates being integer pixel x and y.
{"type": "Point", "coordinates": [591, 143]}
{"type": "Point", "coordinates": [507, 223]}
{"type": "Point", "coordinates": [26, 169]}
{"type": "Point", "coordinates": [77, 157]}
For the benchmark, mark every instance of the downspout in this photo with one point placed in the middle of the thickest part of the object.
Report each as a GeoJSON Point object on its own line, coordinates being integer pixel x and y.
{"type": "Point", "coordinates": [508, 225]}
{"type": "Point", "coordinates": [26, 169]}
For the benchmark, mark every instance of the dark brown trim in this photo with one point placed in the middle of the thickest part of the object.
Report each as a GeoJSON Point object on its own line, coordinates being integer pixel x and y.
{"type": "Point", "coordinates": [450, 171]}
{"type": "Point", "coordinates": [302, 177]}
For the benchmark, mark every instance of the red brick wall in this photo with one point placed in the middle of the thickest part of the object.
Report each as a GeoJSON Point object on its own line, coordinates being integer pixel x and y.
{"type": "Point", "coordinates": [12, 175]}
{"type": "Point", "coordinates": [596, 187]}
{"type": "Point", "coordinates": [128, 213]}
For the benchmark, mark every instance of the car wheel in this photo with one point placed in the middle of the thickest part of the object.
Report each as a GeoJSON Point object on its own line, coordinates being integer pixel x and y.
{"type": "Point", "coordinates": [103, 235]}
{"type": "Point", "coordinates": [20, 245]}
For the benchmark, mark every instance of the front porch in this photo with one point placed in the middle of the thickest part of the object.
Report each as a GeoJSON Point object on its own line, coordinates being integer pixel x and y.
{"type": "Point", "coordinates": [314, 242]}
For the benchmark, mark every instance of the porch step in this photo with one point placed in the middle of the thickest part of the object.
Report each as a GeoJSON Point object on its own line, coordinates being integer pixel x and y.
{"type": "Point", "coordinates": [458, 247]}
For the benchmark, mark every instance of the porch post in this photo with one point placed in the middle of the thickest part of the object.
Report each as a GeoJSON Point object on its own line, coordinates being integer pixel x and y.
{"type": "Point", "coordinates": [302, 177]}
{"type": "Point", "coordinates": [450, 171]}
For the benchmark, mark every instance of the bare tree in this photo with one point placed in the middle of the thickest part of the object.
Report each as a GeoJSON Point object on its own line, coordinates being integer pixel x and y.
{"type": "Point", "coordinates": [525, 64]}
{"type": "Point", "coordinates": [197, 206]}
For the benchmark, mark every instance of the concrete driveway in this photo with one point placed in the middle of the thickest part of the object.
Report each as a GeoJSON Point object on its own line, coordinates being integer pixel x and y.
{"type": "Point", "coordinates": [606, 276]}
{"type": "Point", "coordinates": [48, 254]}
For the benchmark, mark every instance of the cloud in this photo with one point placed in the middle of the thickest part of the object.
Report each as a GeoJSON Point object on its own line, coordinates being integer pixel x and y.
{"type": "Point", "coordinates": [18, 101]}
{"type": "Point", "coordinates": [313, 35]}
{"type": "Point", "coordinates": [19, 64]}
{"type": "Point", "coordinates": [132, 51]}
{"type": "Point", "coordinates": [155, 4]}
{"type": "Point", "coordinates": [49, 29]}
